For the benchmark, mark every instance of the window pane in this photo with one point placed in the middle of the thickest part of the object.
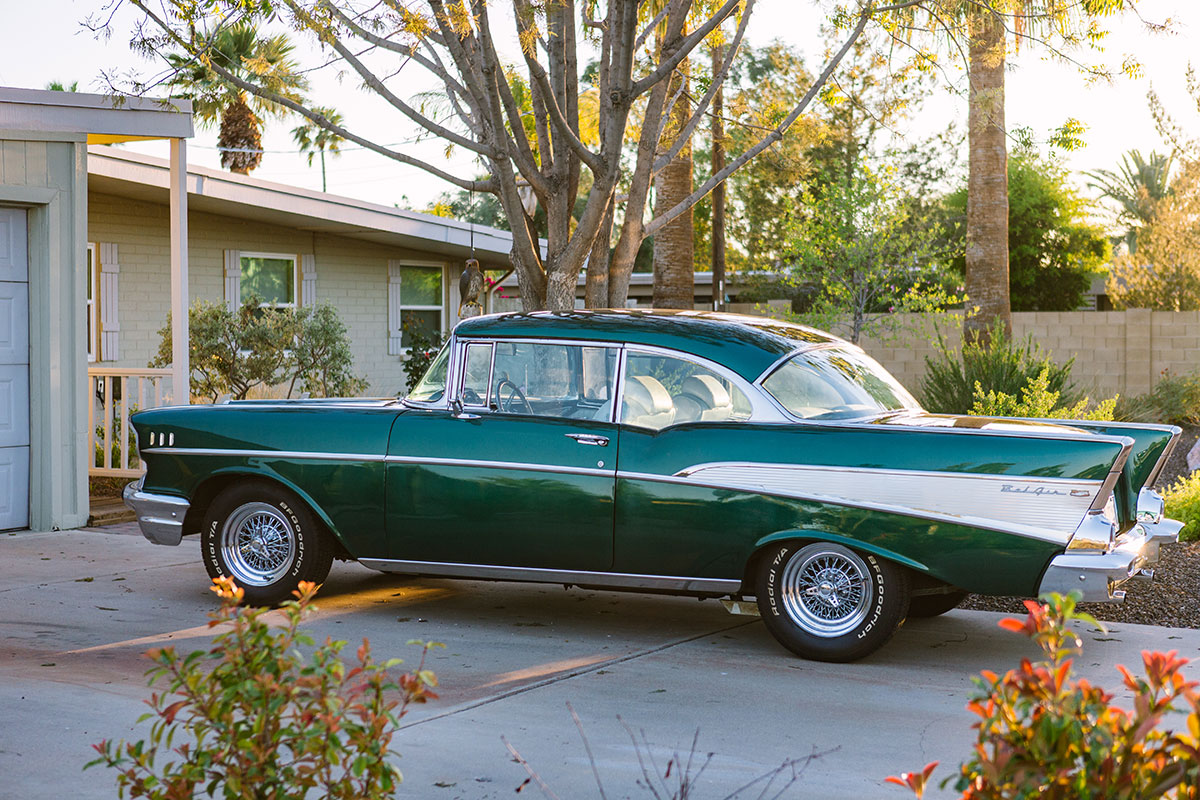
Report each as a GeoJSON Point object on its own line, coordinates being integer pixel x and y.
{"type": "Point", "coordinates": [433, 386]}
{"type": "Point", "coordinates": [663, 390]}
{"type": "Point", "coordinates": [832, 383]}
{"type": "Point", "coordinates": [428, 322]}
{"type": "Point", "coordinates": [272, 280]}
{"type": "Point", "coordinates": [421, 286]}
{"type": "Point", "coordinates": [91, 255]}
{"type": "Point", "coordinates": [550, 380]}
{"type": "Point", "coordinates": [475, 376]}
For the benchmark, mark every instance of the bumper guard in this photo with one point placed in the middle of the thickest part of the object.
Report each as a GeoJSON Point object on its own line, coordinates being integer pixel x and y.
{"type": "Point", "coordinates": [160, 516]}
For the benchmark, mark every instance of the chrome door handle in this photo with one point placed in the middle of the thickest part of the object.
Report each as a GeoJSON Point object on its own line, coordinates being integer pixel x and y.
{"type": "Point", "coordinates": [588, 438]}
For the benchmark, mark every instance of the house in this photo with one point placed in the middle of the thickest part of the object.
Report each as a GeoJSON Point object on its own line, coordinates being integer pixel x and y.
{"type": "Point", "coordinates": [98, 244]}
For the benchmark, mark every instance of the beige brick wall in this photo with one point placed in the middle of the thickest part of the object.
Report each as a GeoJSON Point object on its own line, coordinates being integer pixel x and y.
{"type": "Point", "coordinates": [1116, 352]}
{"type": "Point", "coordinates": [351, 275]}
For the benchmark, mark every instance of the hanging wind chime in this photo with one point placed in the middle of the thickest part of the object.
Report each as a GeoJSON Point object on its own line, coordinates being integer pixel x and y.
{"type": "Point", "coordinates": [471, 284]}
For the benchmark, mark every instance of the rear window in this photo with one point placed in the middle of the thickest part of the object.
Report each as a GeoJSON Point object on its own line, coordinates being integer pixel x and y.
{"type": "Point", "coordinates": [836, 383]}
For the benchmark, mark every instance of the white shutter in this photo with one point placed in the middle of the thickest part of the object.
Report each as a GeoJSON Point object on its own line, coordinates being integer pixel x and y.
{"type": "Point", "coordinates": [110, 320]}
{"type": "Point", "coordinates": [394, 333]}
{"type": "Point", "coordinates": [308, 283]}
{"type": "Point", "coordinates": [233, 279]}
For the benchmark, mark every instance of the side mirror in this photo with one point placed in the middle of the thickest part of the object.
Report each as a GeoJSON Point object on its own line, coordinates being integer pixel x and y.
{"type": "Point", "coordinates": [456, 408]}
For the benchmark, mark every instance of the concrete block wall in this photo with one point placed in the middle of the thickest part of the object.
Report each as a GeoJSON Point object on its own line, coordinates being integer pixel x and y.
{"type": "Point", "coordinates": [351, 275]}
{"type": "Point", "coordinates": [1116, 352]}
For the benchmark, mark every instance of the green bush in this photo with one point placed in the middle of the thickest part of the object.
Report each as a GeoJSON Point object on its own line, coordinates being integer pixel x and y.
{"type": "Point", "coordinates": [1038, 402]}
{"type": "Point", "coordinates": [253, 717]}
{"type": "Point", "coordinates": [997, 364]}
{"type": "Point", "coordinates": [1042, 733]}
{"type": "Point", "coordinates": [115, 443]}
{"type": "Point", "coordinates": [234, 352]}
{"type": "Point", "coordinates": [1175, 400]}
{"type": "Point", "coordinates": [1183, 504]}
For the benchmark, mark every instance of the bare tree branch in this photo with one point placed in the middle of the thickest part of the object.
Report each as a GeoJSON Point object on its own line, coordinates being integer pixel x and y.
{"type": "Point", "coordinates": [689, 43]}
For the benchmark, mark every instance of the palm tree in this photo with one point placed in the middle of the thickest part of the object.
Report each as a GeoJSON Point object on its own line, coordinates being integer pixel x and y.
{"type": "Point", "coordinates": [312, 138]}
{"type": "Point", "coordinates": [1137, 187]}
{"type": "Point", "coordinates": [240, 50]}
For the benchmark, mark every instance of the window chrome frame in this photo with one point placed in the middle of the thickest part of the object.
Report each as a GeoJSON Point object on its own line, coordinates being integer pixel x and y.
{"type": "Point", "coordinates": [762, 409]}
{"type": "Point", "coordinates": [466, 346]}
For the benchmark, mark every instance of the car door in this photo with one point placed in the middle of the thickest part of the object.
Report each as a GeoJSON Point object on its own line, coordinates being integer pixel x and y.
{"type": "Point", "coordinates": [518, 469]}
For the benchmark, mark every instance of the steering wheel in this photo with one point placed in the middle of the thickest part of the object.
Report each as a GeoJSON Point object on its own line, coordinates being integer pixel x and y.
{"type": "Point", "coordinates": [515, 395]}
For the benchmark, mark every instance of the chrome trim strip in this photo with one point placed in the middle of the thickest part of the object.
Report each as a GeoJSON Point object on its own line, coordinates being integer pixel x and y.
{"type": "Point", "coordinates": [159, 516]}
{"type": "Point", "coordinates": [539, 575]}
{"type": "Point", "coordinates": [297, 454]}
{"type": "Point", "coordinates": [1015, 529]}
{"type": "Point", "coordinates": [683, 473]}
{"type": "Point", "coordinates": [515, 465]}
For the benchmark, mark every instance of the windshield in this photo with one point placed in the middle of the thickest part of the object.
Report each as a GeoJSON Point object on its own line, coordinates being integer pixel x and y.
{"type": "Point", "coordinates": [432, 387]}
{"type": "Point", "coordinates": [836, 383]}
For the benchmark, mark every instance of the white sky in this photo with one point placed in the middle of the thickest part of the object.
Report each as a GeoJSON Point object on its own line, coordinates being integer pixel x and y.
{"type": "Point", "coordinates": [44, 41]}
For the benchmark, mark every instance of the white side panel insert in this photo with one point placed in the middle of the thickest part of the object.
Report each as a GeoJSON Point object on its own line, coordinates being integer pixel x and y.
{"type": "Point", "coordinates": [1052, 505]}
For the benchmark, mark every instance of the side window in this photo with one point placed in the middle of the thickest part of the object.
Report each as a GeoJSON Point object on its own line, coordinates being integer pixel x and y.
{"type": "Point", "coordinates": [477, 370]}
{"type": "Point", "coordinates": [666, 390]}
{"type": "Point", "coordinates": [552, 380]}
{"type": "Point", "coordinates": [432, 386]}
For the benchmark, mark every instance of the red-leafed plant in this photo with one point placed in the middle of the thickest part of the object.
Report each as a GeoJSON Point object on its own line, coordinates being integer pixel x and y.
{"type": "Point", "coordinates": [1045, 734]}
{"type": "Point", "coordinates": [254, 717]}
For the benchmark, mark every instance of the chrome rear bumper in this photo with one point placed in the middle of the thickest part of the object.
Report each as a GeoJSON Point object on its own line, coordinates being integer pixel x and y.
{"type": "Point", "coordinates": [1099, 575]}
{"type": "Point", "coordinates": [160, 516]}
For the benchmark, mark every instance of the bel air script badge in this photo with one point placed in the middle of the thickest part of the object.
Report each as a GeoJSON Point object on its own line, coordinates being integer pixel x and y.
{"type": "Point", "coordinates": [1034, 490]}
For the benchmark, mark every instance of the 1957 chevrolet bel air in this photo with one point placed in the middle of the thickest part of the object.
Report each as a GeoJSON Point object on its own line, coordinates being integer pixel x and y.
{"type": "Point", "coordinates": [685, 452]}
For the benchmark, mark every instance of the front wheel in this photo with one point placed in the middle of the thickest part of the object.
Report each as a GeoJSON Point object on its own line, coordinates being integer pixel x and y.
{"type": "Point", "coordinates": [826, 602]}
{"type": "Point", "coordinates": [266, 540]}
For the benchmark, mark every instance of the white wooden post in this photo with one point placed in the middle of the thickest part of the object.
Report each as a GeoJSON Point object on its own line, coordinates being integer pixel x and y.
{"type": "Point", "coordinates": [180, 368]}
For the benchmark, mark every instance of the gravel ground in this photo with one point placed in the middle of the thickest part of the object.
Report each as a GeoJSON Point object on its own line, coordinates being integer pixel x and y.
{"type": "Point", "coordinates": [1170, 599]}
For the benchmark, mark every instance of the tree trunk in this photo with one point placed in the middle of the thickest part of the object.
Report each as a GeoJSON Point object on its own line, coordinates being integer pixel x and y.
{"type": "Point", "coordinates": [674, 248]}
{"type": "Point", "coordinates": [987, 185]}
{"type": "Point", "coordinates": [718, 194]}
{"type": "Point", "coordinates": [596, 293]}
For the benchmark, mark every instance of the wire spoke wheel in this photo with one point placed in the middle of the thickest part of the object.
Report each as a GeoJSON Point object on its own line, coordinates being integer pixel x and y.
{"type": "Point", "coordinates": [826, 591]}
{"type": "Point", "coordinates": [258, 543]}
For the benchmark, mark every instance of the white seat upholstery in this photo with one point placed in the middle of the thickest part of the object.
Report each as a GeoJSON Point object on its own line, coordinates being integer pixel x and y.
{"type": "Point", "coordinates": [702, 398]}
{"type": "Point", "coordinates": [647, 403]}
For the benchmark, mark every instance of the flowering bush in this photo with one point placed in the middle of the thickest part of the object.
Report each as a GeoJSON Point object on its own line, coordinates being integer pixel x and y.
{"type": "Point", "coordinates": [253, 718]}
{"type": "Point", "coordinates": [1046, 734]}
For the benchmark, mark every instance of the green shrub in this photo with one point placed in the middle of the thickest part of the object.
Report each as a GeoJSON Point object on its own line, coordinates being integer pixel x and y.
{"type": "Point", "coordinates": [1044, 734]}
{"type": "Point", "coordinates": [1038, 402]}
{"type": "Point", "coordinates": [234, 352]}
{"type": "Point", "coordinates": [1175, 400]}
{"type": "Point", "coordinates": [998, 364]}
{"type": "Point", "coordinates": [253, 717]}
{"type": "Point", "coordinates": [116, 441]}
{"type": "Point", "coordinates": [423, 347]}
{"type": "Point", "coordinates": [1183, 504]}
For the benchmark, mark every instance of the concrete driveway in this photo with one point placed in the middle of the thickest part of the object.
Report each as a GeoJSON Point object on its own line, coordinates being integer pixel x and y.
{"type": "Point", "coordinates": [78, 609]}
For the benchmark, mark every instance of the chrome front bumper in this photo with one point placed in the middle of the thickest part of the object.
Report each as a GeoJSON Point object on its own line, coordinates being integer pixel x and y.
{"type": "Point", "coordinates": [160, 516]}
{"type": "Point", "coordinates": [1098, 575]}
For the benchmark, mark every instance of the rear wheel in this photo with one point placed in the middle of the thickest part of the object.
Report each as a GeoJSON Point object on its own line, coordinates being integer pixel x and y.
{"type": "Point", "coordinates": [266, 540]}
{"type": "Point", "coordinates": [826, 602]}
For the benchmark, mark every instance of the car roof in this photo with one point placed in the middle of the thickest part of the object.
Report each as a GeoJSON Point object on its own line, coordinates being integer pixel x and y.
{"type": "Point", "coordinates": [747, 345]}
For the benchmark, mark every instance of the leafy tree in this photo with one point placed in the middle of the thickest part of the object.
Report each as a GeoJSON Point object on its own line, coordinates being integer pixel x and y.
{"type": "Point", "coordinates": [1053, 250]}
{"type": "Point", "coordinates": [984, 32]}
{"type": "Point", "coordinates": [216, 75]}
{"type": "Point", "coordinates": [313, 139]}
{"type": "Point", "coordinates": [1136, 188]}
{"type": "Point", "coordinates": [59, 86]}
{"type": "Point", "coordinates": [1164, 272]}
{"type": "Point", "coordinates": [859, 255]}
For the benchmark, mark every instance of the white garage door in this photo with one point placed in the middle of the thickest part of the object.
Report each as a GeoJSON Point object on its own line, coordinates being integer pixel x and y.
{"type": "Point", "coordinates": [14, 370]}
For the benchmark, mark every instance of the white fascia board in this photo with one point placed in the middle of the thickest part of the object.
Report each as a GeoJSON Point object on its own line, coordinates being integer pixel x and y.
{"type": "Point", "coordinates": [328, 212]}
{"type": "Point", "coordinates": [77, 112]}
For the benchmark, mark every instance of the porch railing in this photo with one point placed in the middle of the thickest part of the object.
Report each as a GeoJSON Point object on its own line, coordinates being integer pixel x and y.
{"type": "Point", "coordinates": [115, 393]}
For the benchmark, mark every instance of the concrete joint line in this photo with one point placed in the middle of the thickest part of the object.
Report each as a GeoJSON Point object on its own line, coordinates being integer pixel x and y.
{"type": "Point", "coordinates": [572, 674]}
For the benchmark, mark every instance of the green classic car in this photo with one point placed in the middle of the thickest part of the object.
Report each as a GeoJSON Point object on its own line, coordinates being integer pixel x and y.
{"type": "Point", "coordinates": [685, 452]}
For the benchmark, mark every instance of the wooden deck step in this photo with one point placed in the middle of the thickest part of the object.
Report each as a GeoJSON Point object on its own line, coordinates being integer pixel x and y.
{"type": "Point", "coordinates": [108, 511]}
